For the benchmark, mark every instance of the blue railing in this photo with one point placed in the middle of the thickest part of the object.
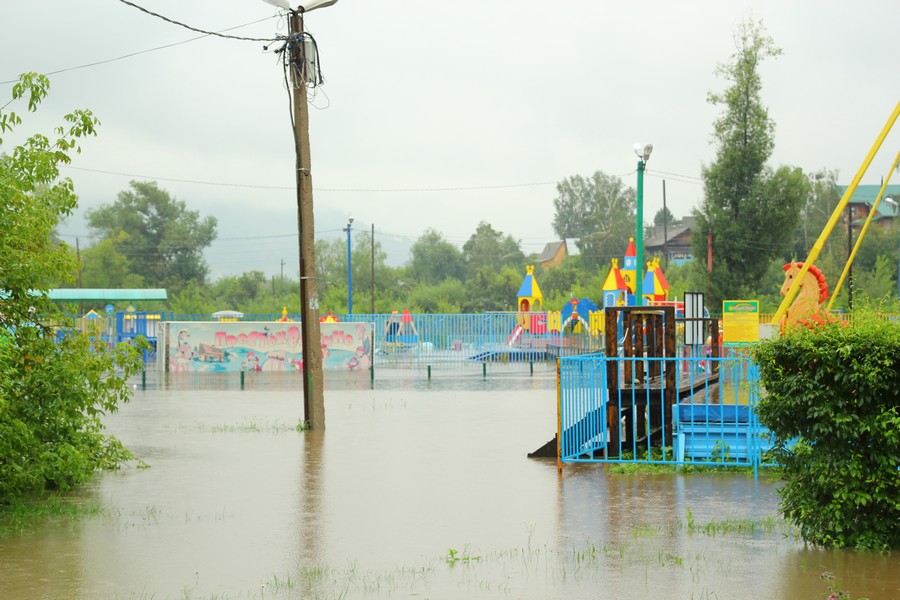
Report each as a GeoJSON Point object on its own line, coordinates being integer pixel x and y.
{"type": "Point", "coordinates": [690, 409]}
{"type": "Point", "coordinates": [419, 340]}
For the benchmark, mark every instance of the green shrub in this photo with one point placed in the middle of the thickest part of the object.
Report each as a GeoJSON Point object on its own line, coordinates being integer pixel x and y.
{"type": "Point", "coordinates": [832, 400]}
{"type": "Point", "coordinates": [52, 395]}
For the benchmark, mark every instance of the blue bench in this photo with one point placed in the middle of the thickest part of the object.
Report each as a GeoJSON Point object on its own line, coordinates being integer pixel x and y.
{"type": "Point", "coordinates": [718, 433]}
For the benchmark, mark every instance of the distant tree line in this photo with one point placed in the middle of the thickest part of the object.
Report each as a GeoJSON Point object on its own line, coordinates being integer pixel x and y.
{"type": "Point", "coordinates": [757, 216]}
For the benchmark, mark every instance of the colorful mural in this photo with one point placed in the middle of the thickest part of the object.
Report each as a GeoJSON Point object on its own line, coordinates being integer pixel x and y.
{"type": "Point", "coordinates": [263, 346]}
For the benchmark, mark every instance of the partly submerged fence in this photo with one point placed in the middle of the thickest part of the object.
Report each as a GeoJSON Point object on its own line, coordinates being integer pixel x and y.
{"type": "Point", "coordinates": [422, 341]}
{"type": "Point", "coordinates": [707, 416]}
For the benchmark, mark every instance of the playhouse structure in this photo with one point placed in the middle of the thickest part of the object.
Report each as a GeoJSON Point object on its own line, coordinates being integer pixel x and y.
{"type": "Point", "coordinates": [579, 326]}
{"type": "Point", "coordinates": [400, 331]}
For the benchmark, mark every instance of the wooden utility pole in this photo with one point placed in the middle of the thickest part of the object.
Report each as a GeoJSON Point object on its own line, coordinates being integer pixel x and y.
{"type": "Point", "coordinates": [373, 272]}
{"type": "Point", "coordinates": [313, 394]}
{"type": "Point", "coordinates": [665, 227]}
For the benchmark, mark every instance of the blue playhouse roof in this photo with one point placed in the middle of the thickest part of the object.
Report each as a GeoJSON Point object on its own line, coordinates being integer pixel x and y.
{"type": "Point", "coordinates": [527, 289]}
{"type": "Point", "coordinates": [585, 305]}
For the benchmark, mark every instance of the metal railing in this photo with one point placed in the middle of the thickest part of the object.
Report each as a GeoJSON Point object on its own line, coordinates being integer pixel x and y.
{"type": "Point", "coordinates": [427, 341]}
{"type": "Point", "coordinates": [706, 418]}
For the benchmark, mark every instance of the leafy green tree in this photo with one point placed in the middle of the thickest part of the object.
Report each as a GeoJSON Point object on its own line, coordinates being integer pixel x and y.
{"type": "Point", "coordinates": [824, 196]}
{"type": "Point", "coordinates": [52, 394]}
{"type": "Point", "coordinates": [240, 291]}
{"type": "Point", "coordinates": [192, 299]}
{"type": "Point", "coordinates": [492, 290]}
{"type": "Point", "coordinates": [433, 259]}
{"type": "Point", "coordinates": [106, 265]}
{"type": "Point", "coordinates": [599, 212]}
{"type": "Point", "coordinates": [832, 403]}
{"type": "Point", "coordinates": [569, 280]}
{"type": "Point", "coordinates": [663, 217]}
{"type": "Point", "coordinates": [166, 241]}
{"type": "Point", "coordinates": [331, 271]}
{"type": "Point", "coordinates": [750, 210]}
{"type": "Point", "coordinates": [488, 247]}
{"type": "Point", "coordinates": [446, 297]}
{"type": "Point", "coordinates": [385, 275]}
{"type": "Point", "coordinates": [878, 282]}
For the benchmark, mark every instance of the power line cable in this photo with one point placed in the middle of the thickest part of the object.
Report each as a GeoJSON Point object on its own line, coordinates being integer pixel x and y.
{"type": "Point", "coordinates": [349, 190]}
{"type": "Point", "coordinates": [203, 31]}
{"type": "Point", "coordinates": [139, 52]}
{"type": "Point", "coordinates": [318, 189]}
{"type": "Point", "coordinates": [675, 175]}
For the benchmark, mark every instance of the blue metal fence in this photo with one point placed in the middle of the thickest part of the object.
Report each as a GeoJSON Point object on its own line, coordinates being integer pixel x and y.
{"type": "Point", "coordinates": [707, 418]}
{"type": "Point", "coordinates": [425, 340]}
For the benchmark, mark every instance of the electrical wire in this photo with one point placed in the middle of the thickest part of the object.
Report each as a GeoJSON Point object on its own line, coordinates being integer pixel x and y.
{"type": "Point", "coordinates": [700, 179]}
{"type": "Point", "coordinates": [139, 52]}
{"type": "Point", "coordinates": [318, 189]}
{"type": "Point", "coordinates": [203, 31]}
{"type": "Point", "coordinates": [675, 177]}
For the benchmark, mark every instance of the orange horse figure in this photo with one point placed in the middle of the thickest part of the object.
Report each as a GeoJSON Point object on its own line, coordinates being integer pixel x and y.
{"type": "Point", "coordinates": [812, 294]}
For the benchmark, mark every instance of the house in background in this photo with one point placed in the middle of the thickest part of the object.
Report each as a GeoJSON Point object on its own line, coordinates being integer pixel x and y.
{"type": "Point", "coordinates": [553, 254]}
{"type": "Point", "coordinates": [861, 205]}
{"type": "Point", "coordinates": [673, 245]}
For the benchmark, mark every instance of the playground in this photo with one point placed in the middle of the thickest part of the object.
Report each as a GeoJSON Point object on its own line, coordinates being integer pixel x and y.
{"type": "Point", "coordinates": [646, 378]}
{"type": "Point", "coordinates": [654, 397]}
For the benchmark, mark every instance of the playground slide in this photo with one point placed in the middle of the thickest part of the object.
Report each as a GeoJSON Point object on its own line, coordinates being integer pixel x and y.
{"type": "Point", "coordinates": [516, 333]}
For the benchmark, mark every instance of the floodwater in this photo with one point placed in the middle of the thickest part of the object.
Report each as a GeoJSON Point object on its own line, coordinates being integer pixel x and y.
{"type": "Point", "coordinates": [416, 489]}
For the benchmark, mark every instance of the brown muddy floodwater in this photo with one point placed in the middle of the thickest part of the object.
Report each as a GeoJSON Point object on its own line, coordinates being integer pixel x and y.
{"type": "Point", "coordinates": [415, 490]}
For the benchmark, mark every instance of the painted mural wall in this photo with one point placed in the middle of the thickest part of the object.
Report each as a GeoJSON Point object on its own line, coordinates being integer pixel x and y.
{"type": "Point", "coordinates": [263, 346]}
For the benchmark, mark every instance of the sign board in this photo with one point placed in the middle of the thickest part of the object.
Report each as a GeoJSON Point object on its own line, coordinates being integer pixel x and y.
{"type": "Point", "coordinates": [740, 321]}
{"type": "Point", "coordinates": [263, 346]}
{"type": "Point", "coordinates": [694, 330]}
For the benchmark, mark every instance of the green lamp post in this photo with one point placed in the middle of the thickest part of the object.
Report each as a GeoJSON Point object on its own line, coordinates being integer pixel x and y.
{"type": "Point", "coordinates": [643, 153]}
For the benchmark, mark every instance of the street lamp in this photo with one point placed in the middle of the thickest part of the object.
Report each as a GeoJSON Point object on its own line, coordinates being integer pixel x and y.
{"type": "Point", "coordinates": [349, 270]}
{"type": "Point", "coordinates": [643, 154]}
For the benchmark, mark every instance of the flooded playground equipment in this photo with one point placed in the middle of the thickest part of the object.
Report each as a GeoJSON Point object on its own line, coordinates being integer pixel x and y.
{"type": "Point", "coordinates": [657, 404]}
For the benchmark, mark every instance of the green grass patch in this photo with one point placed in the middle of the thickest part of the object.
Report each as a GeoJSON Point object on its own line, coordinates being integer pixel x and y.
{"type": "Point", "coordinates": [251, 426]}
{"type": "Point", "coordinates": [23, 514]}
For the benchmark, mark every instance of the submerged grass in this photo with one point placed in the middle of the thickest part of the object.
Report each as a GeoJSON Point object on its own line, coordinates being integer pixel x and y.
{"type": "Point", "coordinates": [471, 571]}
{"type": "Point", "coordinates": [640, 464]}
{"type": "Point", "coordinates": [252, 426]}
{"type": "Point", "coordinates": [22, 514]}
{"type": "Point", "coordinates": [740, 526]}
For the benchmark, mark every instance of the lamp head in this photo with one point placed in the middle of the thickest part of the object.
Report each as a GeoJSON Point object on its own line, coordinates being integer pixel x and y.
{"type": "Point", "coordinates": [308, 5]}
{"type": "Point", "coordinates": [646, 152]}
{"type": "Point", "coordinates": [638, 149]}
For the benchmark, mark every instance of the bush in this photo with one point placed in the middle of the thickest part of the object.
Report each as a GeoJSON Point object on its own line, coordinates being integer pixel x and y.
{"type": "Point", "coordinates": [52, 397]}
{"type": "Point", "coordinates": [52, 394]}
{"type": "Point", "coordinates": [832, 400]}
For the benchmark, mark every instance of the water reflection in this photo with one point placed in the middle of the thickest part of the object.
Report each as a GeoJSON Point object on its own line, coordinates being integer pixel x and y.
{"type": "Point", "coordinates": [308, 518]}
{"type": "Point", "coordinates": [411, 482]}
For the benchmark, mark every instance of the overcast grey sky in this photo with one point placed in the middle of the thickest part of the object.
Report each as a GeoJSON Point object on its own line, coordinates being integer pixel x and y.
{"type": "Point", "coordinates": [503, 97]}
